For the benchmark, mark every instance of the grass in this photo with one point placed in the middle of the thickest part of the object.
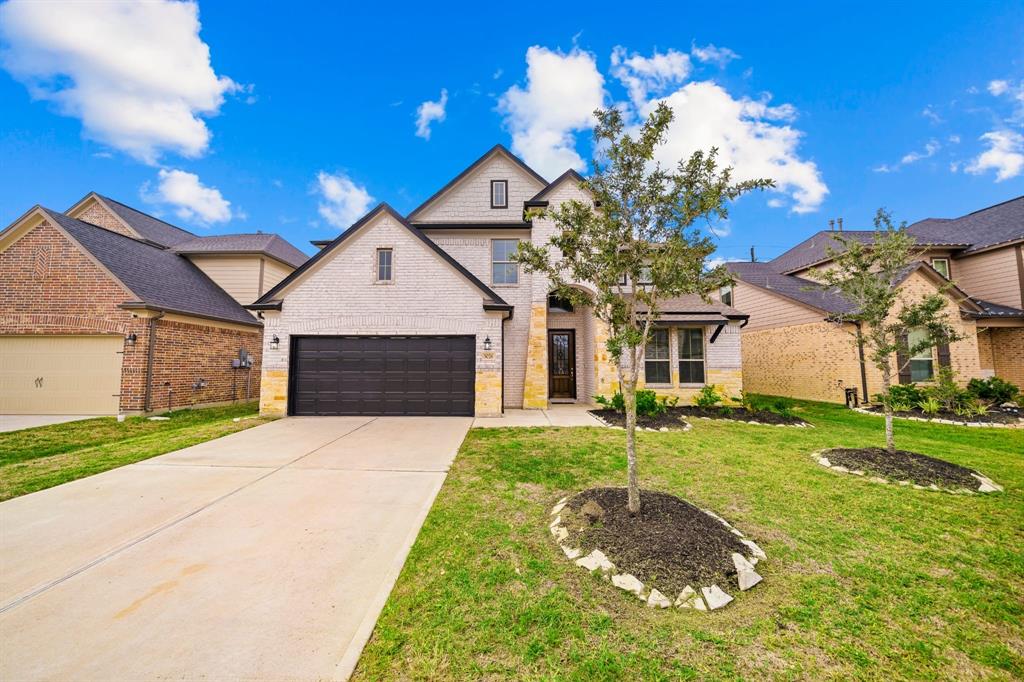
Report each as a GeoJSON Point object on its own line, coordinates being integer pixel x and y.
{"type": "Point", "coordinates": [39, 458]}
{"type": "Point", "coordinates": [863, 581]}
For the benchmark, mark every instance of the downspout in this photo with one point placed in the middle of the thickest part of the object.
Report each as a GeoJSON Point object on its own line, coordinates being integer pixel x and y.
{"type": "Point", "coordinates": [863, 368]}
{"type": "Point", "coordinates": [503, 321]}
{"type": "Point", "coordinates": [149, 362]}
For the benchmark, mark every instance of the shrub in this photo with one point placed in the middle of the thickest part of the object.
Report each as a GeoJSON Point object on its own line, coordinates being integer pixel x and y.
{"type": "Point", "coordinates": [930, 406]}
{"type": "Point", "coordinates": [647, 403]}
{"type": "Point", "coordinates": [994, 391]}
{"type": "Point", "coordinates": [670, 400]}
{"type": "Point", "coordinates": [616, 402]}
{"type": "Point", "coordinates": [899, 405]}
{"type": "Point", "coordinates": [708, 397]}
{"type": "Point", "coordinates": [908, 394]}
{"type": "Point", "coordinates": [947, 392]}
{"type": "Point", "coordinates": [768, 403]}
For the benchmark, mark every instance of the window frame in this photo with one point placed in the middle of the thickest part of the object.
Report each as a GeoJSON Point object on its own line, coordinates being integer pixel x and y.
{"type": "Point", "coordinates": [702, 360]}
{"type": "Point", "coordinates": [646, 281]}
{"type": "Point", "coordinates": [381, 250]}
{"type": "Point", "coordinates": [504, 262]}
{"type": "Point", "coordinates": [731, 293]}
{"type": "Point", "coordinates": [927, 355]}
{"type": "Point", "coordinates": [504, 184]}
{"type": "Point", "coordinates": [945, 274]}
{"type": "Point", "coordinates": [667, 360]}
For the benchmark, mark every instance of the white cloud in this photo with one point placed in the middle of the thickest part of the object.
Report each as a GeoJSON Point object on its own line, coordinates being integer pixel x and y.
{"type": "Point", "coordinates": [747, 138]}
{"type": "Point", "coordinates": [190, 199]}
{"type": "Point", "coordinates": [497, 74]}
{"type": "Point", "coordinates": [714, 55]}
{"type": "Point", "coordinates": [562, 91]}
{"type": "Point", "coordinates": [643, 76]}
{"type": "Point", "coordinates": [930, 149]}
{"type": "Point", "coordinates": [342, 201]}
{"type": "Point", "coordinates": [1005, 155]}
{"type": "Point", "coordinates": [998, 87]}
{"type": "Point", "coordinates": [930, 114]}
{"type": "Point", "coordinates": [428, 112]}
{"type": "Point", "coordinates": [954, 139]}
{"type": "Point", "coordinates": [136, 74]}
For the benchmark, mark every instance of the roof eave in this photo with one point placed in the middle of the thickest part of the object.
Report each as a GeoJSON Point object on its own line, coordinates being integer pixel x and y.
{"type": "Point", "coordinates": [142, 305]}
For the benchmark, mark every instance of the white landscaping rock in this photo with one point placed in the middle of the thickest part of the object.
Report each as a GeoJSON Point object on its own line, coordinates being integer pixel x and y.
{"type": "Point", "coordinates": [748, 579]}
{"type": "Point", "coordinates": [629, 583]}
{"type": "Point", "coordinates": [658, 599]}
{"type": "Point", "coordinates": [596, 560]}
{"type": "Point", "coordinates": [561, 533]}
{"type": "Point", "coordinates": [823, 461]}
{"type": "Point", "coordinates": [715, 597]}
{"type": "Point", "coordinates": [556, 522]}
{"type": "Point", "coordinates": [571, 552]}
{"type": "Point", "coordinates": [559, 507]}
{"type": "Point", "coordinates": [840, 469]}
{"type": "Point", "coordinates": [758, 552]}
{"type": "Point", "coordinates": [987, 484]}
{"type": "Point", "coordinates": [686, 597]}
{"type": "Point", "coordinates": [741, 563]}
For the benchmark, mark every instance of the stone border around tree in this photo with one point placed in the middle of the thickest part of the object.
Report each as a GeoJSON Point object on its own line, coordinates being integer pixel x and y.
{"type": "Point", "coordinates": [973, 425]}
{"type": "Point", "coordinates": [985, 484]}
{"type": "Point", "coordinates": [664, 429]}
{"type": "Point", "coordinates": [707, 598]}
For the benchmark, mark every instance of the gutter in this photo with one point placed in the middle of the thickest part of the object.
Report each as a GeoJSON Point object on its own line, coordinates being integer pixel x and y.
{"type": "Point", "coordinates": [139, 305]}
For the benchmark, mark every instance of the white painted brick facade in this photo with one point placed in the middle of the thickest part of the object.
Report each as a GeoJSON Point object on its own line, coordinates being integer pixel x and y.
{"type": "Point", "coordinates": [470, 199]}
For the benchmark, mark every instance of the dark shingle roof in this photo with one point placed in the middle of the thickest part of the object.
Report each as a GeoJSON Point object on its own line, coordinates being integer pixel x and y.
{"type": "Point", "coordinates": [270, 244]}
{"type": "Point", "coordinates": [802, 290]}
{"type": "Point", "coordinates": [693, 303]}
{"type": "Point", "coordinates": [159, 278]}
{"type": "Point", "coordinates": [815, 248]}
{"type": "Point", "coordinates": [153, 229]}
{"type": "Point", "coordinates": [989, 309]}
{"type": "Point", "coordinates": [981, 229]}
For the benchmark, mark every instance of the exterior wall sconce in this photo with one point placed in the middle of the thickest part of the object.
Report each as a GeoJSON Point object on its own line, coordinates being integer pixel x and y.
{"type": "Point", "coordinates": [487, 343]}
{"type": "Point", "coordinates": [275, 342]}
{"type": "Point", "coordinates": [130, 339]}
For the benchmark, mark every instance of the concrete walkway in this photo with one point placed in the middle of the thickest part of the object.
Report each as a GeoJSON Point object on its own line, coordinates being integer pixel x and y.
{"type": "Point", "coordinates": [266, 554]}
{"type": "Point", "coordinates": [17, 422]}
{"type": "Point", "coordinates": [555, 415]}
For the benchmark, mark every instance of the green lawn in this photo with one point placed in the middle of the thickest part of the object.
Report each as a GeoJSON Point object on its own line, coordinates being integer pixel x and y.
{"type": "Point", "coordinates": [863, 580]}
{"type": "Point", "coordinates": [34, 459]}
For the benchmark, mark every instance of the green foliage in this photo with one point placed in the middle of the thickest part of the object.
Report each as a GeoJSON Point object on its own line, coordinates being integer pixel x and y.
{"type": "Point", "coordinates": [930, 406]}
{"type": "Point", "coordinates": [900, 405]}
{"type": "Point", "coordinates": [670, 400]}
{"type": "Point", "coordinates": [616, 402]}
{"type": "Point", "coordinates": [648, 404]}
{"type": "Point", "coordinates": [994, 391]}
{"type": "Point", "coordinates": [904, 393]}
{"type": "Point", "coordinates": [708, 397]}
{"type": "Point", "coordinates": [947, 392]}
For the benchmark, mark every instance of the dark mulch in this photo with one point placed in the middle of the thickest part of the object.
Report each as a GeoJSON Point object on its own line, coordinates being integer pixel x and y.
{"type": "Point", "coordinates": [739, 414]}
{"type": "Point", "coordinates": [904, 466]}
{"type": "Point", "coordinates": [670, 419]}
{"type": "Point", "coordinates": [670, 544]}
{"type": "Point", "coordinates": [995, 415]}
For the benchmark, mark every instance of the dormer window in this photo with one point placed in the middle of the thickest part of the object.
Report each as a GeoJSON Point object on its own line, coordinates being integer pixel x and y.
{"type": "Point", "coordinates": [499, 193]}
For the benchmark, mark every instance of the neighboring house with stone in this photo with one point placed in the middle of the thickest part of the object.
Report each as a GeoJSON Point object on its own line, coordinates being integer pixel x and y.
{"type": "Point", "coordinates": [791, 347]}
{"type": "Point", "coordinates": [426, 314]}
{"type": "Point", "coordinates": [108, 310]}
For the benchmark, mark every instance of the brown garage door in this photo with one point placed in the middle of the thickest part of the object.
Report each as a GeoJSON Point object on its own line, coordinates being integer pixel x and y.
{"type": "Point", "coordinates": [382, 375]}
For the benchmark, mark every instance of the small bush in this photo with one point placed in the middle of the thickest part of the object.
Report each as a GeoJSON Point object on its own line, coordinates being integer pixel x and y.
{"type": "Point", "coordinates": [947, 392]}
{"type": "Point", "coordinates": [708, 397]}
{"type": "Point", "coordinates": [899, 405]}
{"type": "Point", "coordinates": [930, 406]}
{"type": "Point", "coordinates": [647, 403]}
{"type": "Point", "coordinates": [907, 394]}
{"type": "Point", "coordinates": [777, 404]}
{"type": "Point", "coordinates": [994, 391]}
{"type": "Point", "coordinates": [616, 402]}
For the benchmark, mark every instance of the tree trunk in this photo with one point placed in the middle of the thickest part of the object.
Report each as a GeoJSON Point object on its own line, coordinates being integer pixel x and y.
{"type": "Point", "coordinates": [890, 441]}
{"type": "Point", "coordinates": [627, 384]}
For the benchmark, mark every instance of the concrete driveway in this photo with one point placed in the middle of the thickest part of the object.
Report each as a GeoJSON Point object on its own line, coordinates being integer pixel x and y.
{"type": "Point", "coordinates": [266, 554]}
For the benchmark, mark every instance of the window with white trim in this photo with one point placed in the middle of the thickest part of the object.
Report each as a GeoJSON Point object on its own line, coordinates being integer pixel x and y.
{"type": "Point", "coordinates": [691, 355]}
{"type": "Point", "coordinates": [922, 367]}
{"type": "Point", "coordinates": [656, 358]}
{"type": "Point", "coordinates": [645, 276]}
{"type": "Point", "coordinates": [499, 193]}
{"type": "Point", "coordinates": [503, 269]}
{"type": "Point", "coordinates": [941, 266]}
{"type": "Point", "coordinates": [725, 294]}
{"type": "Point", "coordinates": [385, 265]}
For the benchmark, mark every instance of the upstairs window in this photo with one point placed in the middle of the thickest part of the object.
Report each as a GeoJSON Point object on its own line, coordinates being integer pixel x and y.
{"type": "Point", "coordinates": [941, 266]}
{"type": "Point", "coordinates": [503, 269]}
{"type": "Point", "coordinates": [558, 304]}
{"type": "Point", "coordinates": [385, 265]}
{"type": "Point", "coordinates": [725, 294]}
{"type": "Point", "coordinates": [499, 193]}
{"type": "Point", "coordinates": [645, 276]}
{"type": "Point", "coordinates": [922, 367]}
{"type": "Point", "coordinates": [691, 356]}
{"type": "Point", "coordinates": [656, 358]}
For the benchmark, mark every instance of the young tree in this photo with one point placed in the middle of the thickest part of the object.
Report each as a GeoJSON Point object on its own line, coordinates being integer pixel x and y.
{"type": "Point", "coordinates": [867, 275]}
{"type": "Point", "coordinates": [642, 224]}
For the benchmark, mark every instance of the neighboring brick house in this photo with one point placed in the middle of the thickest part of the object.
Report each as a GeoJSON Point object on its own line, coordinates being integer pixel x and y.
{"type": "Point", "coordinates": [425, 314]}
{"type": "Point", "coordinates": [790, 346]}
{"type": "Point", "coordinates": [106, 310]}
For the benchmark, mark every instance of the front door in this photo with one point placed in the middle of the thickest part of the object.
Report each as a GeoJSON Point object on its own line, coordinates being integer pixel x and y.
{"type": "Point", "coordinates": [562, 364]}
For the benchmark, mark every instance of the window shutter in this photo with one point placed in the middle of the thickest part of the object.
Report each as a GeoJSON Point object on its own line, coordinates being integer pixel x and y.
{"type": "Point", "coordinates": [943, 351]}
{"type": "Point", "coordinates": [903, 362]}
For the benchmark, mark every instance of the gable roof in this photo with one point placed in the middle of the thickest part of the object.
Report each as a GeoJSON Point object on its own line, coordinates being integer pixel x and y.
{"type": "Point", "coordinates": [159, 278]}
{"type": "Point", "coordinates": [496, 149]}
{"type": "Point", "coordinates": [148, 227]}
{"type": "Point", "coordinates": [493, 300]}
{"type": "Point", "coordinates": [985, 228]}
{"type": "Point", "coordinates": [260, 242]}
{"type": "Point", "coordinates": [539, 198]}
{"type": "Point", "coordinates": [814, 249]}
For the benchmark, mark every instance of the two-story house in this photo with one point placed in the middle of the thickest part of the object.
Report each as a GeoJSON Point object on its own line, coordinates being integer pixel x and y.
{"type": "Point", "coordinates": [428, 314]}
{"type": "Point", "coordinates": [105, 309]}
{"type": "Point", "coordinates": [791, 347]}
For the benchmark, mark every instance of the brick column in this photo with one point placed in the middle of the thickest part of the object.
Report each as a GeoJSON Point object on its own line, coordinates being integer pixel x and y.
{"type": "Point", "coordinates": [535, 384]}
{"type": "Point", "coordinates": [606, 378]}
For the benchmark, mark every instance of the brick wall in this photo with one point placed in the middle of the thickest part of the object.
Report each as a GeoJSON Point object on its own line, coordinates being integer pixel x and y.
{"type": "Point", "coordinates": [470, 199]}
{"type": "Point", "coordinates": [1008, 353]}
{"type": "Point", "coordinates": [95, 214]}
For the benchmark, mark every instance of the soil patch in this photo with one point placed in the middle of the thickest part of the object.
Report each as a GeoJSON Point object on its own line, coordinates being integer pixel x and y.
{"type": "Point", "coordinates": [904, 466]}
{"type": "Point", "coordinates": [740, 414]}
{"type": "Point", "coordinates": [670, 420]}
{"type": "Point", "coordinates": [995, 415]}
{"type": "Point", "coordinates": [669, 545]}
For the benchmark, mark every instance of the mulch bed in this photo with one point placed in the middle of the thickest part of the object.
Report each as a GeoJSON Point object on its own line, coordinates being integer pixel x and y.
{"type": "Point", "coordinates": [904, 466]}
{"type": "Point", "coordinates": [669, 545]}
{"type": "Point", "coordinates": [740, 414]}
{"type": "Point", "coordinates": [995, 415]}
{"type": "Point", "coordinates": [670, 420]}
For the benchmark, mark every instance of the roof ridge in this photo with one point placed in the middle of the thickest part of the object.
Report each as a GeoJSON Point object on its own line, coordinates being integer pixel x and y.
{"type": "Point", "coordinates": [153, 217]}
{"type": "Point", "coordinates": [144, 242]}
{"type": "Point", "coordinates": [989, 207]}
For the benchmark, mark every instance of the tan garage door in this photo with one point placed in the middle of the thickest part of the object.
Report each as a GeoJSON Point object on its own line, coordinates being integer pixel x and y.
{"type": "Point", "coordinates": [60, 374]}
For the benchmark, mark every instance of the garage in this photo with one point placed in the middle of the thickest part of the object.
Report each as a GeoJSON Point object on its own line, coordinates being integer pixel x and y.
{"type": "Point", "coordinates": [382, 375]}
{"type": "Point", "coordinates": [60, 374]}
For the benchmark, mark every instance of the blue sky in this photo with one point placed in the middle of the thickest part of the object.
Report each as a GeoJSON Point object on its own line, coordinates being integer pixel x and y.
{"type": "Point", "coordinates": [295, 120]}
